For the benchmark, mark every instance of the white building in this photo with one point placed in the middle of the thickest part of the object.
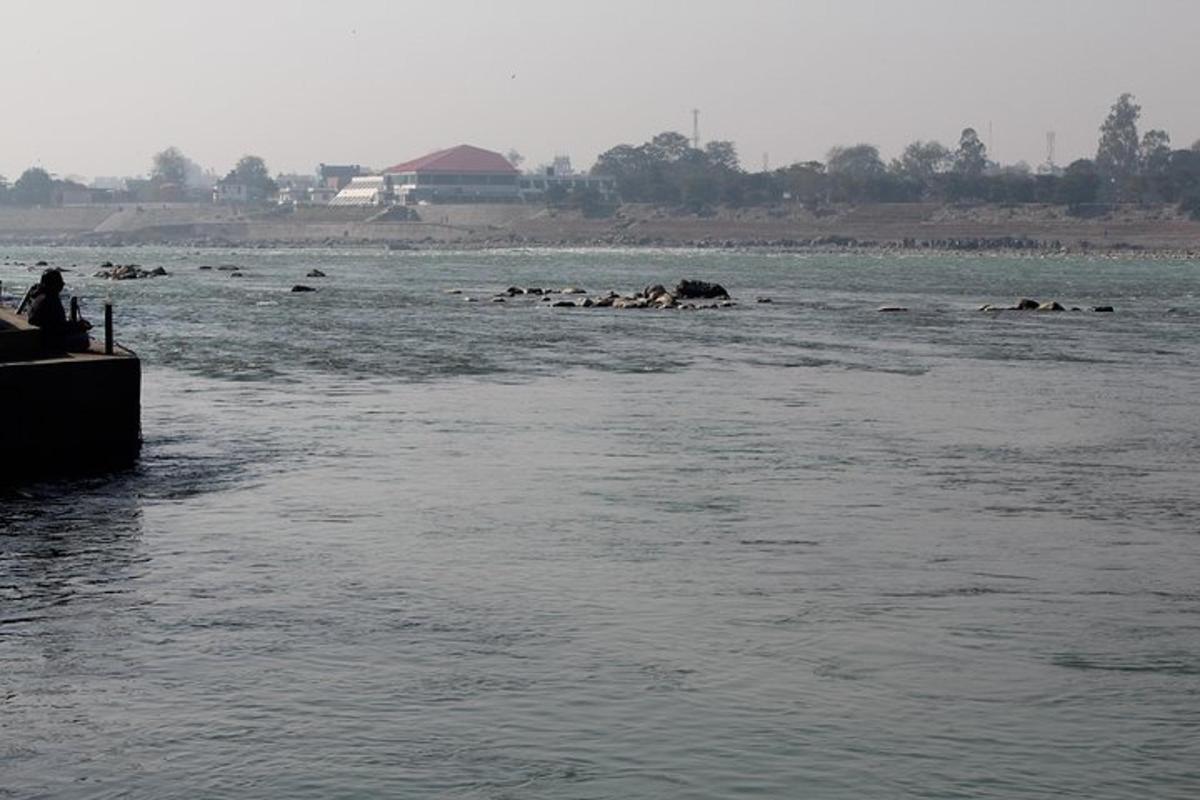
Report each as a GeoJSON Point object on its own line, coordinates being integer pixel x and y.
{"type": "Point", "coordinates": [368, 190]}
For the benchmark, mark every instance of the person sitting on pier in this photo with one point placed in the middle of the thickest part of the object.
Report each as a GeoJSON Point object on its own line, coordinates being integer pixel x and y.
{"type": "Point", "coordinates": [46, 312]}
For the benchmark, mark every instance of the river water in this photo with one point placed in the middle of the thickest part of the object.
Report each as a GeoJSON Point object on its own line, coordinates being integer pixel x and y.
{"type": "Point", "coordinates": [384, 542]}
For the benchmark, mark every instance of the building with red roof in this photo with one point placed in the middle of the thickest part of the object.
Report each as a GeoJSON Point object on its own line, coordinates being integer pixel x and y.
{"type": "Point", "coordinates": [463, 174]}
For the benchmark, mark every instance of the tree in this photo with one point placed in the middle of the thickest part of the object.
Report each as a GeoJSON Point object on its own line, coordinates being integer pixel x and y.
{"type": "Point", "coordinates": [723, 155]}
{"type": "Point", "coordinates": [632, 168]}
{"type": "Point", "coordinates": [858, 162]}
{"type": "Point", "coordinates": [1154, 153]}
{"type": "Point", "coordinates": [669, 146]}
{"type": "Point", "coordinates": [1181, 180]}
{"type": "Point", "coordinates": [923, 160]}
{"type": "Point", "coordinates": [35, 187]}
{"type": "Point", "coordinates": [170, 166]}
{"type": "Point", "coordinates": [970, 160]}
{"type": "Point", "coordinates": [1118, 155]}
{"type": "Point", "coordinates": [252, 172]}
{"type": "Point", "coordinates": [806, 182]}
{"type": "Point", "coordinates": [854, 172]}
{"type": "Point", "coordinates": [1080, 184]}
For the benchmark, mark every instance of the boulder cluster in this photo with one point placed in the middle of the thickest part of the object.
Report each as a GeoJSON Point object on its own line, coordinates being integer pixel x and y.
{"type": "Point", "coordinates": [126, 272]}
{"type": "Point", "coordinates": [656, 296]}
{"type": "Point", "coordinates": [234, 271]}
{"type": "Point", "coordinates": [1025, 304]}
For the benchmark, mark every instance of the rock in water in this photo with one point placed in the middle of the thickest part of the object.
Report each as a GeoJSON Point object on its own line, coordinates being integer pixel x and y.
{"type": "Point", "coordinates": [702, 289]}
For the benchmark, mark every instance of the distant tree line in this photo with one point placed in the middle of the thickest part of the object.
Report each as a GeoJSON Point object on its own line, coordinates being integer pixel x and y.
{"type": "Point", "coordinates": [1127, 168]}
{"type": "Point", "coordinates": [35, 187]}
{"type": "Point", "coordinates": [173, 177]}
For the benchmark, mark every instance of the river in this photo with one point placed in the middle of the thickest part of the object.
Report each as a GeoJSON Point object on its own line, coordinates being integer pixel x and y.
{"type": "Point", "coordinates": [384, 542]}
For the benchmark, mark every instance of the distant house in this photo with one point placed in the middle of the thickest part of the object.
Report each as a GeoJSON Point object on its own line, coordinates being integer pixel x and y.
{"type": "Point", "coordinates": [337, 176]}
{"type": "Point", "coordinates": [141, 190]}
{"type": "Point", "coordinates": [321, 195]}
{"type": "Point", "coordinates": [172, 193]}
{"type": "Point", "coordinates": [535, 187]}
{"type": "Point", "coordinates": [294, 189]}
{"type": "Point", "coordinates": [292, 196]}
{"type": "Point", "coordinates": [70, 193]}
{"type": "Point", "coordinates": [231, 191]}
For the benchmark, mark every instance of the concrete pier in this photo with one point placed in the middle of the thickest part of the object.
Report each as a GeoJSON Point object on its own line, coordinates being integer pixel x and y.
{"type": "Point", "coordinates": [64, 413]}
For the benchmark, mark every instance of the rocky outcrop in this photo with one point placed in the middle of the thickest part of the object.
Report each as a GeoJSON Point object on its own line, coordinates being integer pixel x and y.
{"type": "Point", "coordinates": [655, 296]}
{"type": "Point", "coordinates": [700, 290]}
{"type": "Point", "coordinates": [1025, 304]}
{"type": "Point", "coordinates": [128, 272]}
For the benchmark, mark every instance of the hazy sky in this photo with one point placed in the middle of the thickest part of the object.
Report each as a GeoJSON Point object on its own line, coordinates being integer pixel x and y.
{"type": "Point", "coordinates": [96, 87]}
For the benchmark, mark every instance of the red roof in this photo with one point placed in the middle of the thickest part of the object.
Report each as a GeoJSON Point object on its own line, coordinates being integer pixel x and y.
{"type": "Point", "coordinates": [463, 158]}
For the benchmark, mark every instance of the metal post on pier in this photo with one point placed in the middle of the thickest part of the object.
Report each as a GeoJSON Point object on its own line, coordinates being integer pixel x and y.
{"type": "Point", "coordinates": [108, 328]}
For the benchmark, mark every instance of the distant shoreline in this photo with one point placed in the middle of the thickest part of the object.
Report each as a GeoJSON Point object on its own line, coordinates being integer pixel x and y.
{"type": "Point", "coordinates": [1151, 231]}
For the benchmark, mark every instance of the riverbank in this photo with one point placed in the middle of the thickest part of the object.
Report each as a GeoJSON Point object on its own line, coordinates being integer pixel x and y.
{"type": "Point", "coordinates": [912, 226]}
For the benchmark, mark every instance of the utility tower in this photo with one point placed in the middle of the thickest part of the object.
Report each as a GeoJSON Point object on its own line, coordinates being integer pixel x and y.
{"type": "Point", "coordinates": [696, 128]}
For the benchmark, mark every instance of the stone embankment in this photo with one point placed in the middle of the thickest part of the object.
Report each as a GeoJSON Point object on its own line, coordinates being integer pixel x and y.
{"type": "Point", "coordinates": [912, 227]}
